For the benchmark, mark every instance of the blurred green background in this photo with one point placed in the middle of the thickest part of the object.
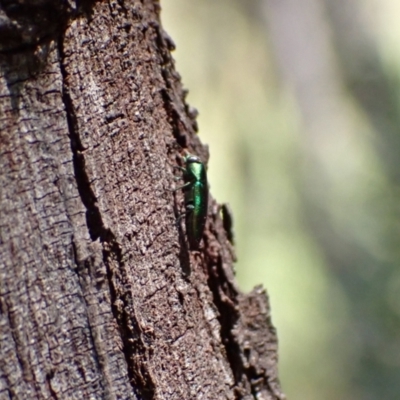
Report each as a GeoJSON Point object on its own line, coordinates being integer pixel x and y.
{"type": "Point", "coordinates": [299, 103]}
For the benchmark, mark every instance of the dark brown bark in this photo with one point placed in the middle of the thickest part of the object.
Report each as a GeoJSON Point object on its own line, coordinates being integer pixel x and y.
{"type": "Point", "coordinates": [99, 295]}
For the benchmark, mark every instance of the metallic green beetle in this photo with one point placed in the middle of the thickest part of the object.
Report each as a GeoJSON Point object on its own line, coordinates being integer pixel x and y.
{"type": "Point", "coordinates": [196, 199]}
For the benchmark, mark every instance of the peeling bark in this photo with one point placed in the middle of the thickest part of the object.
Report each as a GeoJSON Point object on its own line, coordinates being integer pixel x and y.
{"type": "Point", "coordinates": [100, 296]}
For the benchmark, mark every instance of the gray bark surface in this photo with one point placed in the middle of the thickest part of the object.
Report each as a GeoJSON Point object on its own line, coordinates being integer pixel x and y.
{"type": "Point", "coordinates": [100, 297]}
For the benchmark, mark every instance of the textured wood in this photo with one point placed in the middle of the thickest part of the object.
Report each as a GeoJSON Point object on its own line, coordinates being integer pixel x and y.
{"type": "Point", "coordinates": [99, 295]}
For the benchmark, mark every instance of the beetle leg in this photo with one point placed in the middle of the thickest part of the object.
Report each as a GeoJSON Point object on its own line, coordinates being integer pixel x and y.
{"type": "Point", "coordinates": [186, 185]}
{"type": "Point", "coordinates": [189, 208]}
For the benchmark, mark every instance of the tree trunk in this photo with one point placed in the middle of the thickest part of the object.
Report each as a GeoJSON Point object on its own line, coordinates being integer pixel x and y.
{"type": "Point", "coordinates": [100, 296]}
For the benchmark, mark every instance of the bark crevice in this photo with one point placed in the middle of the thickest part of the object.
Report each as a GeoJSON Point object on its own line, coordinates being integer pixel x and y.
{"type": "Point", "coordinates": [93, 217]}
{"type": "Point", "coordinates": [134, 346]}
{"type": "Point", "coordinates": [122, 307]}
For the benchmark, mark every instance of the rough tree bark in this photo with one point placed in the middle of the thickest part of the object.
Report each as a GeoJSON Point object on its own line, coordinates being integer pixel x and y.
{"type": "Point", "coordinates": [100, 297]}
